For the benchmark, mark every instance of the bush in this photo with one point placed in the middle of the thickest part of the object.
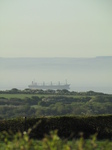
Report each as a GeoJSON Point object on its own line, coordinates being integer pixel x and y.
{"type": "Point", "coordinates": [67, 126]}
{"type": "Point", "coordinates": [22, 141]}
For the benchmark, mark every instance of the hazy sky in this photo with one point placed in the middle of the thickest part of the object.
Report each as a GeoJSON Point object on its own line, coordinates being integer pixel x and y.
{"type": "Point", "coordinates": [55, 28]}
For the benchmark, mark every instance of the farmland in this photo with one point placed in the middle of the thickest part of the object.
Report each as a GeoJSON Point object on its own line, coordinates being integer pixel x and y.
{"type": "Point", "coordinates": [22, 96]}
{"type": "Point", "coordinates": [34, 103]}
{"type": "Point", "coordinates": [75, 119]}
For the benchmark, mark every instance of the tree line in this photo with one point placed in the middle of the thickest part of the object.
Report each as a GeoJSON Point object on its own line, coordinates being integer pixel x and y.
{"type": "Point", "coordinates": [55, 105]}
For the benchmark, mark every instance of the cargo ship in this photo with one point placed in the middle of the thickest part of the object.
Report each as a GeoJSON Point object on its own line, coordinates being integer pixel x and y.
{"type": "Point", "coordinates": [51, 86]}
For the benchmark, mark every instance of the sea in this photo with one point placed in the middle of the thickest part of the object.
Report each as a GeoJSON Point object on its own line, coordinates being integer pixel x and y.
{"type": "Point", "coordinates": [83, 74]}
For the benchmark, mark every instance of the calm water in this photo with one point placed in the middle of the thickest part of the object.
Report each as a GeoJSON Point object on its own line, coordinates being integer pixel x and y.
{"type": "Point", "coordinates": [83, 74]}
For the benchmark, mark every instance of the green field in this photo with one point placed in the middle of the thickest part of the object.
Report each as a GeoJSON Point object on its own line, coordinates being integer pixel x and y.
{"type": "Point", "coordinates": [22, 96]}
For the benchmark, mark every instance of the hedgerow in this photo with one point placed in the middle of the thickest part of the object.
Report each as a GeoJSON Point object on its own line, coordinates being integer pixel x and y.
{"type": "Point", "coordinates": [67, 126]}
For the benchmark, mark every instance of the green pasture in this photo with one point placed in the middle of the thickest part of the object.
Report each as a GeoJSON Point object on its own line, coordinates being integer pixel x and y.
{"type": "Point", "coordinates": [22, 96]}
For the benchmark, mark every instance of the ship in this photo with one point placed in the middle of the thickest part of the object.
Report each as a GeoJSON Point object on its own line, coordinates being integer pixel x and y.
{"type": "Point", "coordinates": [50, 86]}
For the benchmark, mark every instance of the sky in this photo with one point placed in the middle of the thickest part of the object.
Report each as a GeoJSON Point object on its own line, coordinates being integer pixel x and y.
{"type": "Point", "coordinates": [55, 28]}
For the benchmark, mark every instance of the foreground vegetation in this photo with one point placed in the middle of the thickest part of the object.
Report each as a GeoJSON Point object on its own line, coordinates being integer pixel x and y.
{"type": "Point", "coordinates": [57, 133]}
{"type": "Point", "coordinates": [51, 142]}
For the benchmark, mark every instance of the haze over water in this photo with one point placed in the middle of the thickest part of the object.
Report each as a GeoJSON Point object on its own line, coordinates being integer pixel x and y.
{"type": "Point", "coordinates": [49, 37]}
{"type": "Point", "coordinates": [83, 74]}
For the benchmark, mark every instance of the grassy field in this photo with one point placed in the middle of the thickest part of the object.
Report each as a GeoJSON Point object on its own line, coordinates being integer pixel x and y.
{"type": "Point", "coordinates": [22, 96]}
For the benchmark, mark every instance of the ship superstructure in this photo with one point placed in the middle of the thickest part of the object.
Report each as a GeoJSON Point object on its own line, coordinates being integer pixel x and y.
{"type": "Point", "coordinates": [50, 86]}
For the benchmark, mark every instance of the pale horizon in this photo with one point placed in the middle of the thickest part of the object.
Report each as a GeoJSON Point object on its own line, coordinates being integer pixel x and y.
{"type": "Point", "coordinates": [59, 57]}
